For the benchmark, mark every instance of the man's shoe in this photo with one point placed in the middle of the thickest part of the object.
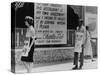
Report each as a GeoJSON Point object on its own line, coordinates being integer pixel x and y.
{"type": "Point", "coordinates": [75, 68]}
{"type": "Point", "coordinates": [80, 68]}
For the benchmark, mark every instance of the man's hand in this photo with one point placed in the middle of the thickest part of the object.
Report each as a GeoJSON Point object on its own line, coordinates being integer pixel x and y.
{"type": "Point", "coordinates": [82, 46]}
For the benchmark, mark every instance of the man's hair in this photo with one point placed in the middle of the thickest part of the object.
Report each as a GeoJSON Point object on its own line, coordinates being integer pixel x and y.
{"type": "Point", "coordinates": [81, 21]}
{"type": "Point", "coordinates": [29, 19]}
{"type": "Point", "coordinates": [87, 27]}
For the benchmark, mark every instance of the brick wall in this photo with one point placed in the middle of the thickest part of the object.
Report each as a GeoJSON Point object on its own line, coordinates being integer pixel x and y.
{"type": "Point", "coordinates": [45, 55]}
{"type": "Point", "coordinates": [53, 55]}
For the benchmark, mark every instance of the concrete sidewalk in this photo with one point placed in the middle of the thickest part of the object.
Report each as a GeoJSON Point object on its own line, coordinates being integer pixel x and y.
{"type": "Point", "coordinates": [47, 67]}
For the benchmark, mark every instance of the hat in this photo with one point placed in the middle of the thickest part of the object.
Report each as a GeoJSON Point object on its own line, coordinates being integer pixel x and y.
{"type": "Point", "coordinates": [29, 17]}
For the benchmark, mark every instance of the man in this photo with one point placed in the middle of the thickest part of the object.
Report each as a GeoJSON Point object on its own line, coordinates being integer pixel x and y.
{"type": "Point", "coordinates": [88, 46]}
{"type": "Point", "coordinates": [79, 45]}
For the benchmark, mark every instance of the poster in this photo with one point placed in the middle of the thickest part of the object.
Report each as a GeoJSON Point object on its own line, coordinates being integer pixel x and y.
{"type": "Point", "coordinates": [50, 23]}
{"type": "Point", "coordinates": [91, 21]}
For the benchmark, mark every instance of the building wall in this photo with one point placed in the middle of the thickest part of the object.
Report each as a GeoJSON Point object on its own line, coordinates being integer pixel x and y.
{"type": "Point", "coordinates": [45, 54]}
{"type": "Point", "coordinates": [42, 55]}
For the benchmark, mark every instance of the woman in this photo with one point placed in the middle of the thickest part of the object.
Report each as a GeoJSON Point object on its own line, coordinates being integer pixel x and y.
{"type": "Point", "coordinates": [28, 60]}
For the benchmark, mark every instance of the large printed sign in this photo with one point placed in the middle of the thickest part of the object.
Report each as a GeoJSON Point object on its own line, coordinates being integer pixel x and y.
{"type": "Point", "coordinates": [50, 23]}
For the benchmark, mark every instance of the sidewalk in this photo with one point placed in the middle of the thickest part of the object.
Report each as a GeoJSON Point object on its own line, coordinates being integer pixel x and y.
{"type": "Point", "coordinates": [47, 67]}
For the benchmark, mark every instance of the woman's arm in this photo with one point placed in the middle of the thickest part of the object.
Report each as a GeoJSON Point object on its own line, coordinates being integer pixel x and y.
{"type": "Point", "coordinates": [33, 40]}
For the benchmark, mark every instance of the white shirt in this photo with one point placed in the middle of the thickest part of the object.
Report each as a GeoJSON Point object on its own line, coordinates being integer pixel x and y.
{"type": "Point", "coordinates": [30, 32]}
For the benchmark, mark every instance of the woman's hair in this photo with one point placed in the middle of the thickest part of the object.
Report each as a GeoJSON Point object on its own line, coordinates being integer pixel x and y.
{"type": "Point", "coordinates": [30, 20]}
